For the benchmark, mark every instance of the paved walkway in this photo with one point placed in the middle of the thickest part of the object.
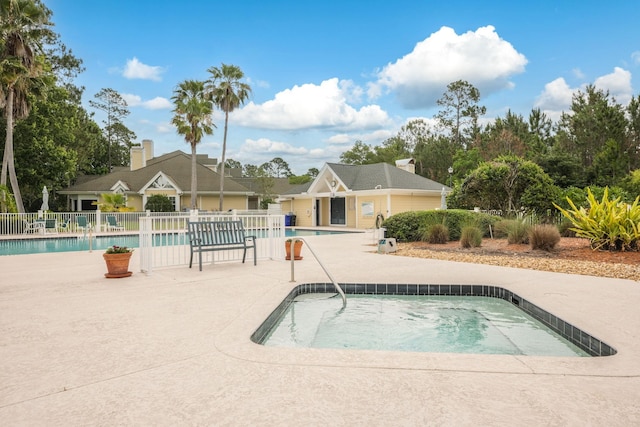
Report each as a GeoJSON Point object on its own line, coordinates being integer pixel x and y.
{"type": "Point", "coordinates": [173, 348]}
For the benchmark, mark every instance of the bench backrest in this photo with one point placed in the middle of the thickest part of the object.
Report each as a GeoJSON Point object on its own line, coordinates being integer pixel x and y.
{"type": "Point", "coordinates": [212, 233]}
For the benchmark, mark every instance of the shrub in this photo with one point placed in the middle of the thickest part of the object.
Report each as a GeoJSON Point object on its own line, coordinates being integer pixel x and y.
{"type": "Point", "coordinates": [411, 226]}
{"type": "Point", "coordinates": [405, 227]}
{"type": "Point", "coordinates": [437, 233]}
{"type": "Point", "coordinates": [470, 237]}
{"type": "Point", "coordinates": [159, 203]}
{"type": "Point", "coordinates": [544, 237]}
{"type": "Point", "coordinates": [608, 224]}
{"type": "Point", "coordinates": [516, 230]}
{"type": "Point", "coordinates": [565, 228]}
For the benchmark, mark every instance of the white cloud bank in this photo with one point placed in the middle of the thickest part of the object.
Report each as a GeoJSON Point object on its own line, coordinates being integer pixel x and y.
{"type": "Point", "coordinates": [312, 106]}
{"type": "Point", "coordinates": [557, 95]}
{"type": "Point", "coordinates": [420, 78]}
{"type": "Point", "coordinates": [258, 151]}
{"type": "Point", "coordinates": [137, 70]}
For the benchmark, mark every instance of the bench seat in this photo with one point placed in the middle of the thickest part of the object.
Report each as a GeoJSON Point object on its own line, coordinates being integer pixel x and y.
{"type": "Point", "coordinates": [210, 236]}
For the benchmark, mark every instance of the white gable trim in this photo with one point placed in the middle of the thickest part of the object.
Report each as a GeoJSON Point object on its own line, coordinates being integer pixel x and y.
{"type": "Point", "coordinates": [324, 182]}
{"type": "Point", "coordinates": [162, 182]}
{"type": "Point", "coordinates": [120, 187]}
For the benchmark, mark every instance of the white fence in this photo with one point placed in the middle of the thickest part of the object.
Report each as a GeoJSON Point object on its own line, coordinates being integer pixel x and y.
{"type": "Point", "coordinates": [15, 224]}
{"type": "Point", "coordinates": [164, 241]}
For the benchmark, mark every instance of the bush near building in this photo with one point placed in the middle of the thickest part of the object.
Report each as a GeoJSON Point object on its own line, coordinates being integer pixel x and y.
{"type": "Point", "coordinates": [412, 226]}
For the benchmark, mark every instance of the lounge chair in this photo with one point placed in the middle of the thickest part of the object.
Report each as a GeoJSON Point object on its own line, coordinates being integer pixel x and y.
{"type": "Point", "coordinates": [50, 226]}
{"type": "Point", "coordinates": [112, 224]}
{"type": "Point", "coordinates": [65, 226]}
{"type": "Point", "coordinates": [82, 224]}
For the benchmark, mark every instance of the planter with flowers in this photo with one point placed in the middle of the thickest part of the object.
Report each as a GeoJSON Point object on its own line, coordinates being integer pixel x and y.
{"type": "Point", "coordinates": [297, 248]}
{"type": "Point", "coordinates": [117, 259]}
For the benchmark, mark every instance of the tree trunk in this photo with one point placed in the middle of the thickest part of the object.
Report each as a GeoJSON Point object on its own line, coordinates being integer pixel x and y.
{"type": "Point", "coordinates": [194, 176]}
{"type": "Point", "coordinates": [224, 150]}
{"type": "Point", "coordinates": [8, 162]}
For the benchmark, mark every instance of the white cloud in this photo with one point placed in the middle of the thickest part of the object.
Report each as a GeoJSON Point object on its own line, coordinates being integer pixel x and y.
{"type": "Point", "coordinates": [636, 57]}
{"type": "Point", "coordinates": [157, 103]}
{"type": "Point", "coordinates": [375, 138]}
{"type": "Point", "coordinates": [137, 70]}
{"type": "Point", "coordinates": [556, 96]}
{"type": "Point", "coordinates": [340, 139]}
{"type": "Point", "coordinates": [273, 148]}
{"type": "Point", "coordinates": [618, 84]}
{"type": "Point", "coordinates": [311, 106]}
{"type": "Point", "coordinates": [420, 78]}
{"type": "Point", "coordinates": [131, 100]}
{"type": "Point", "coordinates": [259, 151]}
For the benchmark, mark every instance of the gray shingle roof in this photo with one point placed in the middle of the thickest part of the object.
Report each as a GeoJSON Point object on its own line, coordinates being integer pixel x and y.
{"type": "Point", "coordinates": [367, 177]}
{"type": "Point", "coordinates": [175, 165]}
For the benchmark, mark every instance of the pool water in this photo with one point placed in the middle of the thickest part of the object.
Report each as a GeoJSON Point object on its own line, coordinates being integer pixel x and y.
{"type": "Point", "coordinates": [444, 324]}
{"type": "Point", "coordinates": [81, 243]}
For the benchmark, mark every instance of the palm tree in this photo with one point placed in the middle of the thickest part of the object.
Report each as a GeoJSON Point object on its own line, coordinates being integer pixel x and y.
{"type": "Point", "coordinates": [24, 27]}
{"type": "Point", "coordinates": [228, 93]}
{"type": "Point", "coordinates": [192, 119]}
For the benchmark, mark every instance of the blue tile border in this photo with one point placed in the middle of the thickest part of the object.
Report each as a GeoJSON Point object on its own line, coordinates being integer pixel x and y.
{"type": "Point", "coordinates": [571, 333]}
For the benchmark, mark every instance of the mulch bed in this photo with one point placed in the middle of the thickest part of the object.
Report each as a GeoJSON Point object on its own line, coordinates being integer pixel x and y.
{"type": "Point", "coordinates": [571, 255]}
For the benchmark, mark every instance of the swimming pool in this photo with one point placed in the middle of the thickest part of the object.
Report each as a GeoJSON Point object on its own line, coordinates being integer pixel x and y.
{"type": "Point", "coordinates": [81, 243]}
{"type": "Point", "coordinates": [423, 318]}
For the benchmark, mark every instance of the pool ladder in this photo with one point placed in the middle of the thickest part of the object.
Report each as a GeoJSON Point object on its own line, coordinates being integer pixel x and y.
{"type": "Point", "coordinates": [335, 284]}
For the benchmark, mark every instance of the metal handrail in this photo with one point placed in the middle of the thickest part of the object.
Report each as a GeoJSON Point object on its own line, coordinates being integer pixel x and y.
{"type": "Point", "coordinates": [335, 284]}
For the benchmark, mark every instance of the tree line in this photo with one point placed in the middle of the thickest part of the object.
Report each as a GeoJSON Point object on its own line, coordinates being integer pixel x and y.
{"type": "Point", "coordinates": [519, 163]}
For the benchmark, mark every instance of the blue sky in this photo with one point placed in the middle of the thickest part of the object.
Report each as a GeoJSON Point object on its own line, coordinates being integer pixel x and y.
{"type": "Point", "coordinates": [325, 74]}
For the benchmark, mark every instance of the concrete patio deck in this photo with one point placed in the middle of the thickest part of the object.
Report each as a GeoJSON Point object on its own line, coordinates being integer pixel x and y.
{"type": "Point", "coordinates": [173, 348]}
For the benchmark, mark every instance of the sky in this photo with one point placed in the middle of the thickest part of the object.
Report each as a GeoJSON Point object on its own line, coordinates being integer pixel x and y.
{"type": "Point", "coordinates": [325, 74]}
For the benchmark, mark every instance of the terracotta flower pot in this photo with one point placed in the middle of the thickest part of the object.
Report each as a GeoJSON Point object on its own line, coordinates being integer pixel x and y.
{"type": "Point", "coordinates": [117, 265]}
{"type": "Point", "coordinates": [297, 248]}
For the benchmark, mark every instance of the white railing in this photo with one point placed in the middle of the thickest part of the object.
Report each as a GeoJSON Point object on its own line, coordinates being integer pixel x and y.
{"type": "Point", "coordinates": [164, 241]}
{"type": "Point", "coordinates": [12, 224]}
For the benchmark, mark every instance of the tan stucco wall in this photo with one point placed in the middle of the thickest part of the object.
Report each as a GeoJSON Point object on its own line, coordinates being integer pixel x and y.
{"type": "Point", "coordinates": [285, 206]}
{"type": "Point", "coordinates": [303, 210]}
{"type": "Point", "coordinates": [135, 202]}
{"type": "Point", "coordinates": [379, 206]}
{"type": "Point", "coordinates": [351, 211]}
{"type": "Point", "coordinates": [212, 203]}
{"type": "Point", "coordinates": [414, 203]}
{"type": "Point", "coordinates": [325, 207]}
{"type": "Point", "coordinates": [355, 218]}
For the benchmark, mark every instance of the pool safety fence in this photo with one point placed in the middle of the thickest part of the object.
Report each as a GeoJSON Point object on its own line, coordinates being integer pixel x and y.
{"type": "Point", "coordinates": [17, 225]}
{"type": "Point", "coordinates": [164, 239]}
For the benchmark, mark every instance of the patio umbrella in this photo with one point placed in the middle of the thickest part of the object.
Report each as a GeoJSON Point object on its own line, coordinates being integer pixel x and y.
{"type": "Point", "coordinates": [45, 199]}
{"type": "Point", "coordinates": [443, 199]}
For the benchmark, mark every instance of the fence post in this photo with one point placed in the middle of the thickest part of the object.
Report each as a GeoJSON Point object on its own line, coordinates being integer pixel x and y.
{"type": "Point", "coordinates": [146, 245]}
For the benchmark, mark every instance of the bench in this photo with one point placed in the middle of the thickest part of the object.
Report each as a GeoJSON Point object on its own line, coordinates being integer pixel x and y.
{"type": "Point", "coordinates": [208, 236]}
